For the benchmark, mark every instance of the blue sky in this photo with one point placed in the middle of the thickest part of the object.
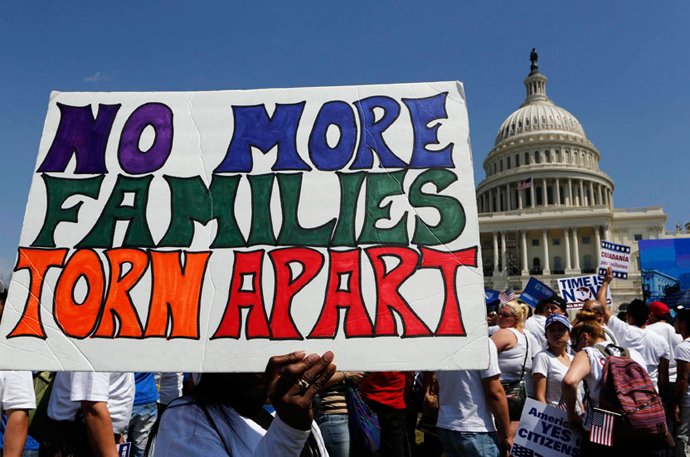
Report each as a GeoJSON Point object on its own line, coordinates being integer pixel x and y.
{"type": "Point", "coordinates": [620, 67]}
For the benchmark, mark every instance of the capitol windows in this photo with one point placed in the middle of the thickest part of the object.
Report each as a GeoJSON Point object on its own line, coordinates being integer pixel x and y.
{"type": "Point", "coordinates": [526, 158]}
{"type": "Point", "coordinates": [638, 236]}
{"type": "Point", "coordinates": [536, 266]}
{"type": "Point", "coordinates": [558, 266]}
{"type": "Point", "coordinates": [556, 241]}
{"type": "Point", "coordinates": [508, 163]}
{"type": "Point", "coordinates": [567, 157]}
{"type": "Point", "coordinates": [587, 262]}
{"type": "Point", "coordinates": [561, 194]}
{"type": "Point", "coordinates": [517, 160]}
{"type": "Point", "coordinates": [540, 199]}
{"type": "Point", "coordinates": [558, 156]}
{"type": "Point", "coordinates": [535, 242]}
{"type": "Point", "coordinates": [549, 195]}
{"type": "Point", "coordinates": [501, 165]}
{"type": "Point", "coordinates": [537, 157]}
{"type": "Point", "coordinates": [585, 240]}
{"type": "Point", "coordinates": [547, 154]}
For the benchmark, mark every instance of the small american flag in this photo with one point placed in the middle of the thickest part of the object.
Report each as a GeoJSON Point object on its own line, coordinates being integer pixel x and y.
{"type": "Point", "coordinates": [602, 427]}
{"type": "Point", "coordinates": [508, 295]}
{"type": "Point", "coordinates": [521, 451]}
{"type": "Point", "coordinates": [526, 184]}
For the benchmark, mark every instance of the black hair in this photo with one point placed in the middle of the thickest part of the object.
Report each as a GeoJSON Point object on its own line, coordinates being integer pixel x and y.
{"type": "Point", "coordinates": [638, 311]}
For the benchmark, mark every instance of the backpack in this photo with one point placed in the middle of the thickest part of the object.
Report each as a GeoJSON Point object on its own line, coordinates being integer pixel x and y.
{"type": "Point", "coordinates": [38, 418]}
{"type": "Point", "coordinates": [627, 390]}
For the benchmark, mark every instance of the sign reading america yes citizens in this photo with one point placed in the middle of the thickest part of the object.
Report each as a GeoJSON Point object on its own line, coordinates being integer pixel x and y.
{"type": "Point", "coordinates": [544, 430]}
{"type": "Point", "coordinates": [616, 256]}
{"type": "Point", "coordinates": [208, 231]}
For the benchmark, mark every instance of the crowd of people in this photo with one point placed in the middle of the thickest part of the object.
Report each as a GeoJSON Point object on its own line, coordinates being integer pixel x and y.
{"type": "Point", "coordinates": [300, 406]}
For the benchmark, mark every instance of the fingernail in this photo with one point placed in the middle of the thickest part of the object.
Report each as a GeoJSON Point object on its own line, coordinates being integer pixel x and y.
{"type": "Point", "coordinates": [328, 356]}
{"type": "Point", "coordinates": [300, 354]}
{"type": "Point", "coordinates": [313, 357]}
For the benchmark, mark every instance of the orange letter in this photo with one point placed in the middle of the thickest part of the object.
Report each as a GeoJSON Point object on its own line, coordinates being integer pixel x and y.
{"type": "Point", "coordinates": [176, 294]}
{"type": "Point", "coordinates": [37, 261]}
{"type": "Point", "coordinates": [79, 319]}
{"type": "Point", "coordinates": [118, 304]}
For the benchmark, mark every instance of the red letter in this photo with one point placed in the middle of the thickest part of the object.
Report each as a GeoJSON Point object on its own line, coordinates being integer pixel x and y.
{"type": "Point", "coordinates": [246, 263]}
{"type": "Point", "coordinates": [176, 294]}
{"type": "Point", "coordinates": [343, 264]}
{"type": "Point", "coordinates": [79, 319]}
{"type": "Point", "coordinates": [448, 263]}
{"type": "Point", "coordinates": [388, 297]}
{"type": "Point", "coordinates": [37, 261]}
{"type": "Point", "coordinates": [118, 305]}
{"type": "Point", "coordinates": [282, 326]}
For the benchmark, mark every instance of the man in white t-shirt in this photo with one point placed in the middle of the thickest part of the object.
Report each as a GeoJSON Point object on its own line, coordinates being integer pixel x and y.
{"type": "Point", "coordinates": [634, 335]}
{"type": "Point", "coordinates": [17, 397]}
{"type": "Point", "coordinates": [545, 308]}
{"type": "Point", "coordinates": [680, 409]}
{"type": "Point", "coordinates": [657, 322]}
{"type": "Point", "coordinates": [470, 423]}
{"type": "Point", "coordinates": [105, 399]}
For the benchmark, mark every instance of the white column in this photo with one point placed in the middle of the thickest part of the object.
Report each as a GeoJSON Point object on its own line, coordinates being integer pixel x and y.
{"type": "Point", "coordinates": [576, 251]}
{"type": "Point", "coordinates": [591, 194]}
{"type": "Point", "coordinates": [558, 193]}
{"type": "Point", "coordinates": [568, 265]}
{"type": "Point", "coordinates": [611, 197]}
{"type": "Point", "coordinates": [531, 191]}
{"type": "Point", "coordinates": [607, 233]}
{"type": "Point", "coordinates": [544, 193]}
{"type": "Point", "coordinates": [569, 198]}
{"type": "Point", "coordinates": [597, 240]}
{"type": "Point", "coordinates": [504, 267]}
{"type": "Point", "coordinates": [495, 253]}
{"type": "Point", "coordinates": [508, 206]}
{"type": "Point", "coordinates": [523, 246]}
{"type": "Point", "coordinates": [599, 194]}
{"type": "Point", "coordinates": [491, 201]}
{"type": "Point", "coordinates": [519, 199]}
{"type": "Point", "coordinates": [582, 194]}
{"type": "Point", "coordinates": [545, 238]}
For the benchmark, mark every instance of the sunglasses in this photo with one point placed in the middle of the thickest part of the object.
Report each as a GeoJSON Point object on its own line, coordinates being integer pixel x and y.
{"type": "Point", "coordinates": [505, 315]}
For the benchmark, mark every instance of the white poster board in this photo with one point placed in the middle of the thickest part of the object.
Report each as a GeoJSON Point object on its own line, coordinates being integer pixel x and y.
{"type": "Point", "coordinates": [208, 231]}
{"type": "Point", "coordinates": [576, 291]}
{"type": "Point", "coordinates": [616, 256]}
{"type": "Point", "coordinates": [544, 430]}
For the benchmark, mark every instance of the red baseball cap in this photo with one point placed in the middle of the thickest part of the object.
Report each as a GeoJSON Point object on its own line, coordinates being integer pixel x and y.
{"type": "Point", "coordinates": [659, 309]}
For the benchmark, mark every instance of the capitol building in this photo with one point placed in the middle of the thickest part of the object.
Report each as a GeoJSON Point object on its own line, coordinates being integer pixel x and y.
{"type": "Point", "coordinates": [545, 205]}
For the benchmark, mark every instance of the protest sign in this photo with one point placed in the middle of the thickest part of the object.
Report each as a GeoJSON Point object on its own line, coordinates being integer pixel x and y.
{"type": "Point", "coordinates": [544, 430]}
{"type": "Point", "coordinates": [208, 231]}
{"type": "Point", "coordinates": [576, 291]}
{"type": "Point", "coordinates": [535, 291]}
{"type": "Point", "coordinates": [616, 256]}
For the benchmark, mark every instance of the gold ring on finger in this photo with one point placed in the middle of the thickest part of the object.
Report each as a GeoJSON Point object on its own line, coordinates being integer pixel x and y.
{"type": "Point", "coordinates": [303, 385]}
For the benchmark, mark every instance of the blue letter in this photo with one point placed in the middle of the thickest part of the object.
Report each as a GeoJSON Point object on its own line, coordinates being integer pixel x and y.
{"type": "Point", "coordinates": [253, 127]}
{"type": "Point", "coordinates": [423, 111]}
{"type": "Point", "coordinates": [371, 131]}
{"type": "Point", "coordinates": [324, 157]}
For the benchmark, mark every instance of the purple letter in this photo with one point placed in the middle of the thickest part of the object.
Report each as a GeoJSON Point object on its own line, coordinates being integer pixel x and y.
{"type": "Point", "coordinates": [132, 159]}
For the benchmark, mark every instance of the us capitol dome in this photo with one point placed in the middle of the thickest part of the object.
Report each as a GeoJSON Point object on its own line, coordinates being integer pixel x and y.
{"type": "Point", "coordinates": [545, 205]}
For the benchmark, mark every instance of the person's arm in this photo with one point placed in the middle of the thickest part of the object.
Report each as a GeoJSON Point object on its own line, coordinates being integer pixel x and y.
{"type": "Point", "coordinates": [504, 339]}
{"type": "Point", "coordinates": [578, 370]}
{"type": "Point", "coordinates": [340, 376]}
{"type": "Point", "coordinates": [663, 376]}
{"type": "Point", "coordinates": [15, 432]}
{"type": "Point", "coordinates": [99, 428]}
{"type": "Point", "coordinates": [603, 292]}
{"type": "Point", "coordinates": [682, 369]}
{"type": "Point", "coordinates": [498, 405]}
{"type": "Point", "coordinates": [539, 382]}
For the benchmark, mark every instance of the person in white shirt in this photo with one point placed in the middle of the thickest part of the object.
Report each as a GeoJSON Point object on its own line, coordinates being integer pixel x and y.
{"type": "Point", "coordinates": [550, 365]}
{"type": "Point", "coordinates": [17, 397]}
{"type": "Point", "coordinates": [588, 366]}
{"type": "Point", "coordinates": [634, 335]}
{"type": "Point", "coordinates": [659, 314]}
{"type": "Point", "coordinates": [680, 409]}
{"type": "Point", "coordinates": [473, 411]}
{"type": "Point", "coordinates": [224, 416]}
{"type": "Point", "coordinates": [105, 401]}
{"type": "Point", "coordinates": [545, 308]}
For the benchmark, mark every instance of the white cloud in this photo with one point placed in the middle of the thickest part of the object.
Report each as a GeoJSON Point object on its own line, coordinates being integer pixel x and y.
{"type": "Point", "coordinates": [93, 78]}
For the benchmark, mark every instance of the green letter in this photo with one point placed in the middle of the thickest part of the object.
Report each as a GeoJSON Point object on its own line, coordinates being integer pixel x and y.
{"type": "Point", "coordinates": [291, 232]}
{"type": "Point", "coordinates": [451, 212]}
{"type": "Point", "coordinates": [380, 186]}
